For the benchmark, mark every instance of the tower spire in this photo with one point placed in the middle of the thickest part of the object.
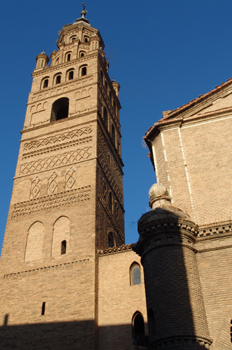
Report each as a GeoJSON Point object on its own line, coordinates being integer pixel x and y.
{"type": "Point", "coordinates": [84, 11]}
{"type": "Point", "coordinates": [83, 14]}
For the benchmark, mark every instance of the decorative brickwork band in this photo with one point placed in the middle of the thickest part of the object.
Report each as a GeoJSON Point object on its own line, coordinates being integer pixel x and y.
{"type": "Point", "coordinates": [57, 147]}
{"type": "Point", "coordinates": [48, 141]}
{"type": "Point", "coordinates": [53, 201]}
{"type": "Point", "coordinates": [55, 161]}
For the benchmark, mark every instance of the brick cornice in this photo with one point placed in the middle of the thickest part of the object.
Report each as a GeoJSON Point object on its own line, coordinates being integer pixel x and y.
{"type": "Point", "coordinates": [57, 67]}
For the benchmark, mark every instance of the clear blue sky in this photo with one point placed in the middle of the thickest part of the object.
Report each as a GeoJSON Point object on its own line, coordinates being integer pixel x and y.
{"type": "Point", "coordinates": [163, 53]}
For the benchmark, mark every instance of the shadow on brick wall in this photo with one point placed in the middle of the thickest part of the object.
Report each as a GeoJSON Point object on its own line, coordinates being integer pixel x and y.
{"type": "Point", "coordinates": [65, 336]}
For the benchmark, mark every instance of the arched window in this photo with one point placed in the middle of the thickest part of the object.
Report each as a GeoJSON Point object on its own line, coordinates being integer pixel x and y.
{"type": "Point", "coordinates": [70, 75]}
{"type": "Point", "coordinates": [135, 275]}
{"type": "Point", "coordinates": [113, 134]}
{"type": "Point", "coordinates": [82, 53]}
{"type": "Point", "coordinates": [58, 79]}
{"type": "Point", "coordinates": [105, 115]}
{"type": "Point", "coordinates": [61, 234]}
{"type": "Point", "coordinates": [60, 109]}
{"type": "Point", "coordinates": [72, 39]}
{"type": "Point", "coordinates": [45, 83]}
{"type": "Point", "coordinates": [138, 333]}
{"type": "Point", "coordinates": [57, 60]}
{"type": "Point", "coordinates": [151, 323]}
{"type": "Point", "coordinates": [86, 39]}
{"type": "Point", "coordinates": [83, 71]}
{"type": "Point", "coordinates": [63, 247]}
{"type": "Point", "coordinates": [110, 240]}
{"type": "Point", "coordinates": [68, 56]}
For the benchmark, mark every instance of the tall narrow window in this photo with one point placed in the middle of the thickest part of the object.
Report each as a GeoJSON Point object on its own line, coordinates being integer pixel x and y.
{"type": "Point", "coordinates": [110, 240]}
{"type": "Point", "coordinates": [83, 71]}
{"type": "Point", "coordinates": [70, 75]}
{"type": "Point", "coordinates": [135, 276]}
{"type": "Point", "coordinates": [63, 247]}
{"type": "Point", "coordinates": [138, 329]}
{"type": "Point", "coordinates": [68, 56]}
{"type": "Point", "coordinates": [45, 83]}
{"type": "Point", "coordinates": [110, 202]}
{"type": "Point", "coordinates": [113, 134]}
{"type": "Point", "coordinates": [105, 117]}
{"type": "Point", "coordinates": [58, 79]}
{"type": "Point", "coordinates": [43, 309]}
{"type": "Point", "coordinates": [106, 87]}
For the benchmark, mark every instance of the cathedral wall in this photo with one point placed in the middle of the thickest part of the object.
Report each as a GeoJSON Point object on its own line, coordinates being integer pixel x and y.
{"type": "Point", "coordinates": [118, 300]}
{"type": "Point", "coordinates": [214, 263]}
{"type": "Point", "coordinates": [198, 168]}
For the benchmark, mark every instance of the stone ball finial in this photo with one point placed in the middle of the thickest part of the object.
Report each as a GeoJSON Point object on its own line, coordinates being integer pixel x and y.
{"type": "Point", "coordinates": [158, 195]}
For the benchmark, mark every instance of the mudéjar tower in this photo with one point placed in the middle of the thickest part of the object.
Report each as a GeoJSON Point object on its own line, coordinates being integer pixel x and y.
{"type": "Point", "coordinates": [67, 199]}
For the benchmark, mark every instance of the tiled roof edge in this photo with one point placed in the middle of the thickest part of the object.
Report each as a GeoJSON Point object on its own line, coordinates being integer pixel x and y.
{"type": "Point", "coordinates": [113, 250]}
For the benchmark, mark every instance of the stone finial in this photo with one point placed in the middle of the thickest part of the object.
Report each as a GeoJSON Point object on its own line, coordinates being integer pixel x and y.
{"type": "Point", "coordinates": [159, 196]}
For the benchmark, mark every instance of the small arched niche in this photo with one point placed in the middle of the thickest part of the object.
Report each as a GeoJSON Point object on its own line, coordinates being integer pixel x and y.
{"type": "Point", "coordinates": [35, 237]}
{"type": "Point", "coordinates": [60, 109]}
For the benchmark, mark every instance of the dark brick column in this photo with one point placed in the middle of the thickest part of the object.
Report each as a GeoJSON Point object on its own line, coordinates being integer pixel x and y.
{"type": "Point", "coordinates": [176, 312]}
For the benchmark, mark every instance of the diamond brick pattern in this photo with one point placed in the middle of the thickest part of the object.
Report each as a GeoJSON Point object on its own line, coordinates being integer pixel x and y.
{"type": "Point", "coordinates": [55, 161]}
{"type": "Point", "coordinates": [58, 138]}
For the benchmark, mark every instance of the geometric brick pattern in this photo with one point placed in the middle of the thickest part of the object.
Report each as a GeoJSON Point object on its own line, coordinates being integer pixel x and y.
{"type": "Point", "coordinates": [53, 201]}
{"type": "Point", "coordinates": [111, 217]}
{"type": "Point", "coordinates": [35, 188]}
{"type": "Point", "coordinates": [69, 179]}
{"type": "Point", "coordinates": [56, 147]}
{"type": "Point", "coordinates": [55, 161]}
{"type": "Point", "coordinates": [52, 183]}
{"type": "Point", "coordinates": [112, 173]}
{"type": "Point", "coordinates": [70, 135]}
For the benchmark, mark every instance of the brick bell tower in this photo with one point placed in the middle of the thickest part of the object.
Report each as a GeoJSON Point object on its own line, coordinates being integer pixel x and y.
{"type": "Point", "coordinates": [67, 198]}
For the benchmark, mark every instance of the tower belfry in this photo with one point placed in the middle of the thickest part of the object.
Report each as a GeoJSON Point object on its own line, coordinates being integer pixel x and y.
{"type": "Point", "coordinates": [67, 199]}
